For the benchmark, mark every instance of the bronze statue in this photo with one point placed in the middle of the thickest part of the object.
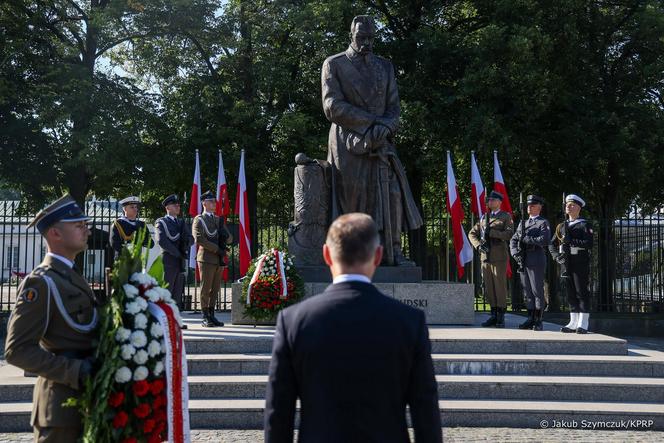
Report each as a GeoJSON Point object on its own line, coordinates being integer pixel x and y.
{"type": "Point", "coordinates": [361, 100]}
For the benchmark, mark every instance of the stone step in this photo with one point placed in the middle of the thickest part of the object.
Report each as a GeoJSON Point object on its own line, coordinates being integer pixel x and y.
{"type": "Point", "coordinates": [473, 387]}
{"type": "Point", "coordinates": [248, 414]}
{"type": "Point", "coordinates": [450, 341]}
{"type": "Point", "coordinates": [637, 364]}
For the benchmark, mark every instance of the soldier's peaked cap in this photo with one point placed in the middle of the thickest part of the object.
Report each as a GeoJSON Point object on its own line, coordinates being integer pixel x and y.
{"type": "Point", "coordinates": [64, 209]}
{"type": "Point", "coordinates": [535, 200]}
{"type": "Point", "coordinates": [173, 198]}
{"type": "Point", "coordinates": [130, 200]}
{"type": "Point", "coordinates": [496, 195]}
{"type": "Point", "coordinates": [208, 196]}
{"type": "Point", "coordinates": [575, 199]}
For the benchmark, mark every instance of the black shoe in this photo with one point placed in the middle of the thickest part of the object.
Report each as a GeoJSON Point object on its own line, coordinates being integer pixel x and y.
{"type": "Point", "coordinates": [213, 319]}
{"type": "Point", "coordinates": [529, 321]}
{"type": "Point", "coordinates": [538, 326]}
{"type": "Point", "coordinates": [184, 326]}
{"type": "Point", "coordinates": [207, 321]}
{"type": "Point", "coordinates": [491, 321]}
{"type": "Point", "coordinates": [500, 317]}
{"type": "Point", "coordinates": [567, 330]}
{"type": "Point", "coordinates": [581, 331]}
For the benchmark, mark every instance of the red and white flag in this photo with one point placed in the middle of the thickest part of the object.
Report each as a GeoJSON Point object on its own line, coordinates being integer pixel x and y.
{"type": "Point", "coordinates": [462, 248]}
{"type": "Point", "coordinates": [477, 188]}
{"type": "Point", "coordinates": [195, 207]}
{"type": "Point", "coordinates": [499, 185]}
{"type": "Point", "coordinates": [223, 206]}
{"type": "Point", "coordinates": [242, 210]}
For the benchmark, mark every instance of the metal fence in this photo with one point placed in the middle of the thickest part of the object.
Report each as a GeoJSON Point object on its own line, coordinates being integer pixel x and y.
{"type": "Point", "coordinates": [627, 260]}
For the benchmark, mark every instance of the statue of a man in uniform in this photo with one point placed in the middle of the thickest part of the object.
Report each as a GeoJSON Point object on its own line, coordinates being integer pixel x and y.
{"type": "Point", "coordinates": [361, 100]}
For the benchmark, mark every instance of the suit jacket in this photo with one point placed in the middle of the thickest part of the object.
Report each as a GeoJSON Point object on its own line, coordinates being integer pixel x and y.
{"type": "Point", "coordinates": [40, 339]}
{"type": "Point", "coordinates": [355, 358]}
{"type": "Point", "coordinates": [501, 228]}
{"type": "Point", "coordinates": [207, 230]}
{"type": "Point", "coordinates": [174, 238]}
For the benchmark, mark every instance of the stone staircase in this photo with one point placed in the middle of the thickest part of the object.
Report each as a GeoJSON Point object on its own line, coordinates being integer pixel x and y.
{"type": "Point", "coordinates": [486, 377]}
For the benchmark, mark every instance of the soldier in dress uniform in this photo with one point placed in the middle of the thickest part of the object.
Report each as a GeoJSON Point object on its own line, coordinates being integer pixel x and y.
{"type": "Point", "coordinates": [211, 236]}
{"type": "Point", "coordinates": [571, 249]}
{"type": "Point", "coordinates": [174, 238]}
{"type": "Point", "coordinates": [528, 246]}
{"type": "Point", "coordinates": [492, 244]}
{"type": "Point", "coordinates": [125, 227]}
{"type": "Point", "coordinates": [52, 327]}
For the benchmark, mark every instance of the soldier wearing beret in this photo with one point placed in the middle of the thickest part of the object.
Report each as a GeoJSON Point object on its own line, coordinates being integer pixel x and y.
{"type": "Point", "coordinates": [211, 236]}
{"type": "Point", "coordinates": [52, 327]}
{"type": "Point", "coordinates": [528, 246]}
{"type": "Point", "coordinates": [491, 240]}
{"type": "Point", "coordinates": [174, 238]}
{"type": "Point", "coordinates": [125, 227]}
{"type": "Point", "coordinates": [571, 249]}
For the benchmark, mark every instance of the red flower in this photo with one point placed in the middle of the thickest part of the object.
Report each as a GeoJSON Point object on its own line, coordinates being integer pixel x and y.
{"type": "Point", "coordinates": [161, 427]}
{"type": "Point", "coordinates": [120, 419]}
{"type": "Point", "coordinates": [141, 388]}
{"type": "Point", "coordinates": [129, 440]}
{"type": "Point", "coordinates": [116, 399]}
{"type": "Point", "coordinates": [160, 416]}
{"type": "Point", "coordinates": [149, 425]}
{"type": "Point", "coordinates": [155, 438]}
{"type": "Point", "coordinates": [142, 410]}
{"type": "Point", "coordinates": [157, 386]}
{"type": "Point", "coordinates": [159, 402]}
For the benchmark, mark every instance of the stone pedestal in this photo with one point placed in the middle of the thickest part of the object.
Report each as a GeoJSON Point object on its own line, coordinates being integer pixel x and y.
{"type": "Point", "coordinates": [444, 303]}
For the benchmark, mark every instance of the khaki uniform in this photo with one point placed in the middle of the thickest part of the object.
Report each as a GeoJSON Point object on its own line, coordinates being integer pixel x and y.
{"type": "Point", "coordinates": [206, 229]}
{"type": "Point", "coordinates": [494, 270]}
{"type": "Point", "coordinates": [50, 332]}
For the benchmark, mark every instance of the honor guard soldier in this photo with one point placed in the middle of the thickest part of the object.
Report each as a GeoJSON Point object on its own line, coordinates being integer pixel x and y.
{"type": "Point", "coordinates": [490, 236]}
{"type": "Point", "coordinates": [571, 249]}
{"type": "Point", "coordinates": [51, 330]}
{"type": "Point", "coordinates": [211, 236]}
{"type": "Point", "coordinates": [125, 227]}
{"type": "Point", "coordinates": [528, 247]}
{"type": "Point", "coordinates": [174, 238]}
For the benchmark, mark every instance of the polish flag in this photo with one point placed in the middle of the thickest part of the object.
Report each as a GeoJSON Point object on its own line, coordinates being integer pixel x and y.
{"type": "Point", "coordinates": [499, 185]}
{"type": "Point", "coordinates": [242, 209]}
{"type": "Point", "coordinates": [223, 205]}
{"type": "Point", "coordinates": [195, 209]}
{"type": "Point", "coordinates": [477, 188]}
{"type": "Point", "coordinates": [462, 248]}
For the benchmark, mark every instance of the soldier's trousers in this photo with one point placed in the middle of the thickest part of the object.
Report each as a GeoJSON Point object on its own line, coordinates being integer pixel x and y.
{"type": "Point", "coordinates": [56, 435]}
{"type": "Point", "coordinates": [175, 279]}
{"type": "Point", "coordinates": [495, 283]}
{"type": "Point", "coordinates": [532, 280]}
{"type": "Point", "coordinates": [578, 283]}
{"type": "Point", "coordinates": [210, 284]}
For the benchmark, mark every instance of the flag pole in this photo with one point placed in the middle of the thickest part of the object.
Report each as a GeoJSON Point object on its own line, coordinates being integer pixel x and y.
{"type": "Point", "coordinates": [447, 239]}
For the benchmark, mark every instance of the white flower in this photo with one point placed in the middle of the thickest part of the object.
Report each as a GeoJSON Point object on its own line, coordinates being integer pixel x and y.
{"type": "Point", "coordinates": [154, 348]}
{"type": "Point", "coordinates": [123, 375]}
{"type": "Point", "coordinates": [164, 293]}
{"type": "Point", "coordinates": [142, 303]}
{"type": "Point", "coordinates": [158, 368]}
{"type": "Point", "coordinates": [141, 357]}
{"type": "Point", "coordinates": [141, 278]}
{"type": "Point", "coordinates": [130, 290]}
{"type": "Point", "coordinates": [156, 330]}
{"type": "Point", "coordinates": [153, 295]}
{"type": "Point", "coordinates": [122, 334]}
{"type": "Point", "coordinates": [288, 268]}
{"type": "Point", "coordinates": [138, 339]}
{"type": "Point", "coordinates": [133, 307]}
{"type": "Point", "coordinates": [140, 321]}
{"type": "Point", "coordinates": [126, 351]}
{"type": "Point", "coordinates": [140, 373]}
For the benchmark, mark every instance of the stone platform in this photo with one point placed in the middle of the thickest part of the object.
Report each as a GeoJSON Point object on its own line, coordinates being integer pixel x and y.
{"type": "Point", "coordinates": [444, 303]}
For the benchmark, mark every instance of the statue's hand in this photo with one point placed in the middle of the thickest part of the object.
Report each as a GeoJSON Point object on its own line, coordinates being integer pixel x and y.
{"type": "Point", "coordinates": [380, 132]}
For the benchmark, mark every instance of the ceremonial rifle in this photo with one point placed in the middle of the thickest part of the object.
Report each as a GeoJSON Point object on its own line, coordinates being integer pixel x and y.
{"type": "Point", "coordinates": [522, 250]}
{"type": "Point", "coordinates": [565, 242]}
{"type": "Point", "coordinates": [485, 244]}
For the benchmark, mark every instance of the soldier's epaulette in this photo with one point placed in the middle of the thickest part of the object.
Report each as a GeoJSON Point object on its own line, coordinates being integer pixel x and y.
{"type": "Point", "coordinates": [332, 57]}
{"type": "Point", "coordinates": [40, 271]}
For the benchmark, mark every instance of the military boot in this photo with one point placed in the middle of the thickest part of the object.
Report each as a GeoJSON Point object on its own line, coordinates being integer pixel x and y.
{"type": "Point", "coordinates": [491, 321]}
{"type": "Point", "coordinates": [500, 317]}
{"type": "Point", "coordinates": [530, 321]}
{"type": "Point", "coordinates": [213, 319]}
{"type": "Point", "coordinates": [206, 323]}
{"type": "Point", "coordinates": [538, 326]}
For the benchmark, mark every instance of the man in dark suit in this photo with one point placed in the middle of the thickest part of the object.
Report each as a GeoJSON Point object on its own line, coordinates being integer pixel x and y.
{"type": "Point", "coordinates": [174, 238]}
{"type": "Point", "coordinates": [354, 357]}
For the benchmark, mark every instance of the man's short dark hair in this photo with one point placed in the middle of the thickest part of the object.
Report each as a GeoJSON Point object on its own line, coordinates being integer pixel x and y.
{"type": "Point", "coordinates": [353, 239]}
{"type": "Point", "coordinates": [366, 19]}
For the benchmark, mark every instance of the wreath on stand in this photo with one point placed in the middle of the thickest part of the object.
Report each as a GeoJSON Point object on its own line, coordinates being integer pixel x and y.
{"type": "Point", "coordinates": [274, 285]}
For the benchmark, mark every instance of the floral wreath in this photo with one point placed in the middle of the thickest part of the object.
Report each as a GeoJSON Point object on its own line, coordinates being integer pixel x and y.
{"type": "Point", "coordinates": [275, 284]}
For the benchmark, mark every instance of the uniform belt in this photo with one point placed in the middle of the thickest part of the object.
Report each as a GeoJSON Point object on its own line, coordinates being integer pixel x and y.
{"type": "Point", "coordinates": [75, 354]}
